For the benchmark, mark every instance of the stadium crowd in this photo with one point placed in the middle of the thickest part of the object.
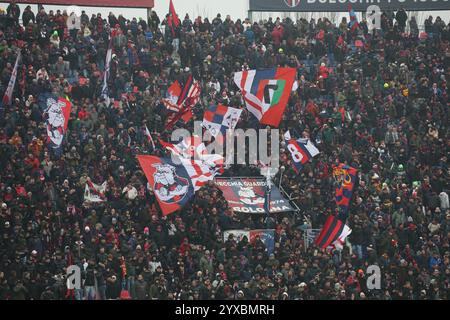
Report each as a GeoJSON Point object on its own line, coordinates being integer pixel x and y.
{"type": "Point", "coordinates": [376, 100]}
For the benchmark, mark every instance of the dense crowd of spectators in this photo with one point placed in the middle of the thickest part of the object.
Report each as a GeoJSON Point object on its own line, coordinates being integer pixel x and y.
{"type": "Point", "coordinates": [377, 101]}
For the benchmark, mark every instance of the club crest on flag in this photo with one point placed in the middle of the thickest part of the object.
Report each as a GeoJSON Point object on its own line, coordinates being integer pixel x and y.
{"type": "Point", "coordinates": [248, 196]}
{"type": "Point", "coordinates": [292, 3]}
{"type": "Point", "coordinates": [58, 113]}
{"type": "Point", "coordinates": [168, 186]}
{"type": "Point", "coordinates": [342, 177]}
{"type": "Point", "coordinates": [345, 179]}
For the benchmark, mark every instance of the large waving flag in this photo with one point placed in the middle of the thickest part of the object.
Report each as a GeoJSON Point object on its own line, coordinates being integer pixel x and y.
{"type": "Point", "coordinates": [57, 114]}
{"type": "Point", "coordinates": [333, 232]}
{"type": "Point", "coordinates": [302, 150]}
{"type": "Point", "coordinates": [170, 182]}
{"type": "Point", "coordinates": [199, 172]}
{"type": "Point", "coordinates": [218, 118]}
{"type": "Point", "coordinates": [338, 244]}
{"type": "Point", "coordinates": [345, 178]}
{"type": "Point", "coordinates": [353, 24]}
{"type": "Point", "coordinates": [193, 148]}
{"type": "Point", "coordinates": [189, 97]}
{"type": "Point", "coordinates": [12, 82]}
{"type": "Point", "coordinates": [266, 92]}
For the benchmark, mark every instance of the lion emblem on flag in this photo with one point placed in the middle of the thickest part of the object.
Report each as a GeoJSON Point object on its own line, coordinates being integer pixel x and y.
{"type": "Point", "coordinates": [247, 195]}
{"type": "Point", "coordinates": [169, 187]}
{"type": "Point", "coordinates": [55, 121]}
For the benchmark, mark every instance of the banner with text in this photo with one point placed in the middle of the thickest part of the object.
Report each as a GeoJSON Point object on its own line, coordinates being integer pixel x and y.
{"type": "Point", "coordinates": [247, 195]}
{"type": "Point", "coordinates": [342, 5]}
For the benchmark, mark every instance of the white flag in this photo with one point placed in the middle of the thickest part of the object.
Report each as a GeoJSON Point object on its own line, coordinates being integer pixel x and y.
{"type": "Point", "coordinates": [12, 81]}
{"type": "Point", "coordinates": [94, 192]}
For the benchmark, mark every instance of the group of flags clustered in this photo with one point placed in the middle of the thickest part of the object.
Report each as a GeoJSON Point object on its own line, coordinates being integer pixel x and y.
{"type": "Point", "coordinates": [175, 179]}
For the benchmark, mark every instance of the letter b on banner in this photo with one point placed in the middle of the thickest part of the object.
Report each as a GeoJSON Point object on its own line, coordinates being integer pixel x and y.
{"type": "Point", "coordinates": [374, 280]}
{"type": "Point", "coordinates": [373, 17]}
{"type": "Point", "coordinates": [73, 277]}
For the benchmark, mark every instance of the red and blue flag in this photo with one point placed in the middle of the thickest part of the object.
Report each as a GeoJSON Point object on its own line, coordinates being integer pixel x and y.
{"type": "Point", "coordinates": [218, 118]}
{"type": "Point", "coordinates": [345, 179]}
{"type": "Point", "coordinates": [170, 182]}
{"type": "Point", "coordinates": [331, 231]}
{"type": "Point", "coordinates": [302, 150]}
{"type": "Point", "coordinates": [353, 24]}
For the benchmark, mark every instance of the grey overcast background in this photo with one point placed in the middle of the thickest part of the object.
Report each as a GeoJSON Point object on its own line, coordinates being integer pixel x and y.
{"type": "Point", "coordinates": [209, 8]}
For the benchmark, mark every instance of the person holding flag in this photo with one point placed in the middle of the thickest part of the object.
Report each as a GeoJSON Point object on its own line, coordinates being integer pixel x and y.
{"type": "Point", "coordinates": [189, 97]}
{"type": "Point", "coordinates": [353, 25]}
{"type": "Point", "coordinates": [335, 230]}
{"type": "Point", "coordinates": [7, 98]}
{"type": "Point", "coordinates": [173, 23]}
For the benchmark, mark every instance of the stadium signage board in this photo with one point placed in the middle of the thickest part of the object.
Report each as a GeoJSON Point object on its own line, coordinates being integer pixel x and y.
{"type": "Point", "coordinates": [342, 5]}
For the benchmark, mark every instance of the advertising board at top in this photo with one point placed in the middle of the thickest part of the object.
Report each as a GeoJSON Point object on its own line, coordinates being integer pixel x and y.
{"type": "Point", "coordinates": [342, 5]}
{"type": "Point", "coordinates": [97, 3]}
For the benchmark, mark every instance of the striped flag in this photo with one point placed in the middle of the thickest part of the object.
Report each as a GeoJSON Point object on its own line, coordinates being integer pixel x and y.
{"type": "Point", "coordinates": [338, 244]}
{"type": "Point", "coordinates": [12, 82]}
{"type": "Point", "coordinates": [345, 180]}
{"type": "Point", "coordinates": [199, 171]}
{"type": "Point", "coordinates": [188, 98]}
{"type": "Point", "coordinates": [331, 231]}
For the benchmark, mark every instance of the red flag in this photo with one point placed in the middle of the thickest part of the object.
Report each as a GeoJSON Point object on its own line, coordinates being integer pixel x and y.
{"type": "Point", "coordinates": [185, 114]}
{"type": "Point", "coordinates": [188, 98]}
{"type": "Point", "coordinates": [172, 21]}
{"type": "Point", "coordinates": [172, 12]}
{"type": "Point", "coordinates": [172, 96]}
